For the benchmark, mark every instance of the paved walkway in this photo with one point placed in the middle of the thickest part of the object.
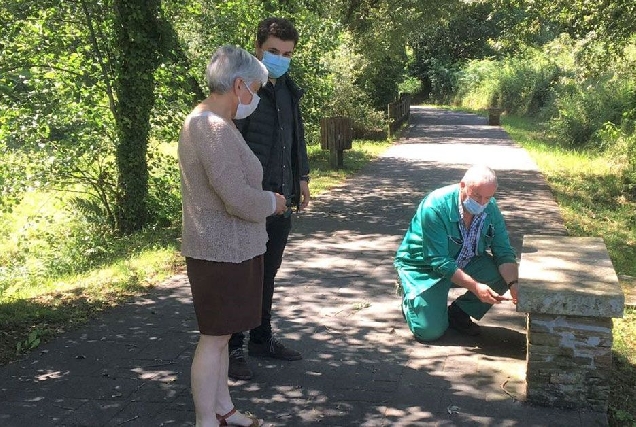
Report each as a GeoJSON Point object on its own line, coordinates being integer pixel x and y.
{"type": "Point", "coordinates": [336, 303]}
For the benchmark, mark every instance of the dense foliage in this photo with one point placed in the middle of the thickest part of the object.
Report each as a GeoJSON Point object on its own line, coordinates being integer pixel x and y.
{"type": "Point", "coordinates": [570, 64]}
{"type": "Point", "coordinates": [91, 91]}
{"type": "Point", "coordinates": [93, 94]}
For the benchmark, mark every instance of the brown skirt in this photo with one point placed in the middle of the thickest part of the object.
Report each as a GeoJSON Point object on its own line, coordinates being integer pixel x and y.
{"type": "Point", "coordinates": [227, 297]}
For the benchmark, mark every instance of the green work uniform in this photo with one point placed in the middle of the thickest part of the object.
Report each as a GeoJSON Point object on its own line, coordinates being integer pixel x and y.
{"type": "Point", "coordinates": [426, 260]}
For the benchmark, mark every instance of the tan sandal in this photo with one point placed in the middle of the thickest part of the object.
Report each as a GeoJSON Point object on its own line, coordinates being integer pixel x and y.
{"type": "Point", "coordinates": [222, 419]}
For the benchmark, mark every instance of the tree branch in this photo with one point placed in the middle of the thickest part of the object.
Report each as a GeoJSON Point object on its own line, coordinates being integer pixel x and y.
{"type": "Point", "coordinates": [100, 60]}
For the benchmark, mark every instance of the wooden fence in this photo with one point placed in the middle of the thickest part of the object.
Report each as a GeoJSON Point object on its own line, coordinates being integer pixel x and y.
{"type": "Point", "coordinates": [336, 135]}
{"type": "Point", "coordinates": [398, 112]}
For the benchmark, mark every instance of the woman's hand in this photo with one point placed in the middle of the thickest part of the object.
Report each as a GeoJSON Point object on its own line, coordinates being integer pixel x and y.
{"type": "Point", "coordinates": [281, 204]}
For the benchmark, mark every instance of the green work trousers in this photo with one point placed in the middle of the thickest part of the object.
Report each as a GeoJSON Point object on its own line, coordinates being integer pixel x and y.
{"type": "Point", "coordinates": [427, 314]}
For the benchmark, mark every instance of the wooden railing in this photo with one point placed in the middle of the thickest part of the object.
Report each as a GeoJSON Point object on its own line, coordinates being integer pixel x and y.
{"type": "Point", "coordinates": [398, 112]}
{"type": "Point", "coordinates": [336, 133]}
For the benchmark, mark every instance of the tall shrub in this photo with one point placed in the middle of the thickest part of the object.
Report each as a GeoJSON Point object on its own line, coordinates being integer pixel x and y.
{"type": "Point", "coordinates": [346, 98]}
{"type": "Point", "coordinates": [585, 108]}
{"type": "Point", "coordinates": [520, 85]}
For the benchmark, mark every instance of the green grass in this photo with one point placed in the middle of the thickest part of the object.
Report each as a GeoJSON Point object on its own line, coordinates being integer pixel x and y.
{"type": "Point", "coordinates": [57, 272]}
{"type": "Point", "coordinates": [324, 177]}
{"type": "Point", "coordinates": [36, 304]}
{"type": "Point", "coordinates": [587, 187]}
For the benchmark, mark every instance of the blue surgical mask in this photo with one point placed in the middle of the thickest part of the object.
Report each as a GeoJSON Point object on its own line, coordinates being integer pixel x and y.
{"type": "Point", "coordinates": [276, 65]}
{"type": "Point", "coordinates": [473, 207]}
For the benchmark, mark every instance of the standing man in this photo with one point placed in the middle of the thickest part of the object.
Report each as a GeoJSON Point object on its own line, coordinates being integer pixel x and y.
{"type": "Point", "coordinates": [276, 134]}
{"type": "Point", "coordinates": [457, 238]}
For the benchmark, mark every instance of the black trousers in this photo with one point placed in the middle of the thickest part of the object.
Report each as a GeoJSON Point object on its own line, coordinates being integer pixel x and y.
{"type": "Point", "coordinates": [278, 228]}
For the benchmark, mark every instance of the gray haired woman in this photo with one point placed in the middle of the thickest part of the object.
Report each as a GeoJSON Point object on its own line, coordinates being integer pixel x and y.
{"type": "Point", "coordinates": [224, 237]}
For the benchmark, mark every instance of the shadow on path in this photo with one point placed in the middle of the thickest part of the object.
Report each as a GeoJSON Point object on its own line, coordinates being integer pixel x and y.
{"type": "Point", "coordinates": [336, 303]}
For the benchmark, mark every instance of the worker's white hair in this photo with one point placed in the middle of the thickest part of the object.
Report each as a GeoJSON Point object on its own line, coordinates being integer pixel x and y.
{"type": "Point", "coordinates": [478, 175]}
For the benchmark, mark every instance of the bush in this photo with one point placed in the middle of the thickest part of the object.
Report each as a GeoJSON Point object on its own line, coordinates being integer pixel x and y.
{"type": "Point", "coordinates": [584, 110]}
{"type": "Point", "coordinates": [442, 80]}
{"type": "Point", "coordinates": [551, 84]}
{"type": "Point", "coordinates": [410, 85]}
{"type": "Point", "coordinates": [520, 85]}
{"type": "Point", "coordinates": [42, 239]}
{"type": "Point", "coordinates": [579, 100]}
{"type": "Point", "coordinates": [164, 196]}
{"type": "Point", "coordinates": [477, 84]}
{"type": "Point", "coordinates": [346, 97]}
{"type": "Point", "coordinates": [621, 143]}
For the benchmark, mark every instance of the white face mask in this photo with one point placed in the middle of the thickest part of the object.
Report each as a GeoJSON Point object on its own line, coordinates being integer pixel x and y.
{"type": "Point", "coordinates": [244, 110]}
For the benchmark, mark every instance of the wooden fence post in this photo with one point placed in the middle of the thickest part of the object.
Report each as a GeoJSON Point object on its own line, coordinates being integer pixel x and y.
{"type": "Point", "coordinates": [336, 135]}
{"type": "Point", "coordinates": [398, 112]}
{"type": "Point", "coordinates": [494, 115]}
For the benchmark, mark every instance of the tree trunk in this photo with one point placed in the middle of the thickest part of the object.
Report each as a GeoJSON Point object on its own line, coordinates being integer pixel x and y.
{"type": "Point", "coordinates": [137, 38]}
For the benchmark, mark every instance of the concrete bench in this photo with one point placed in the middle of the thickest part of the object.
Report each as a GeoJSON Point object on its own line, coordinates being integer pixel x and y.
{"type": "Point", "coordinates": [570, 292]}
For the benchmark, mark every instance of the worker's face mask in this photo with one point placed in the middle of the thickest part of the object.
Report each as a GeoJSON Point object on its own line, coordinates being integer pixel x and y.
{"type": "Point", "coordinates": [473, 207]}
{"type": "Point", "coordinates": [276, 65]}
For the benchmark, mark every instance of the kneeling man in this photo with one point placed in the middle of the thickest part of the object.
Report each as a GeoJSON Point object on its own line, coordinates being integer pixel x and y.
{"type": "Point", "coordinates": [457, 238]}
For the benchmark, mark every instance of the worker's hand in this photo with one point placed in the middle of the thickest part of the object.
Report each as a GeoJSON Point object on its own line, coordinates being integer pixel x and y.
{"type": "Point", "coordinates": [486, 294]}
{"type": "Point", "coordinates": [513, 292]}
{"type": "Point", "coordinates": [304, 195]}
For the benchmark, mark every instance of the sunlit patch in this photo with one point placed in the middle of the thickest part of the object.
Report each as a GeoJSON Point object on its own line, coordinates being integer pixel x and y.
{"type": "Point", "coordinates": [51, 375]}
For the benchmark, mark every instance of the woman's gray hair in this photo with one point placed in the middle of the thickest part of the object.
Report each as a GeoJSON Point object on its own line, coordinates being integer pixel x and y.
{"type": "Point", "coordinates": [229, 63]}
{"type": "Point", "coordinates": [479, 174]}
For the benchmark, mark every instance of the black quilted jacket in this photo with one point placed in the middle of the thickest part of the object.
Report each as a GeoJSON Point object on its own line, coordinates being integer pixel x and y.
{"type": "Point", "coordinates": [260, 131]}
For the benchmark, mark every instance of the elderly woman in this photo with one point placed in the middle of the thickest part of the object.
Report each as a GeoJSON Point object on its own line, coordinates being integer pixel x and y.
{"type": "Point", "coordinates": [224, 237]}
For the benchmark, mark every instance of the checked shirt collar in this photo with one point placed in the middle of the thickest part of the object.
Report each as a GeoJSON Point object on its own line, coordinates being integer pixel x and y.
{"type": "Point", "coordinates": [470, 237]}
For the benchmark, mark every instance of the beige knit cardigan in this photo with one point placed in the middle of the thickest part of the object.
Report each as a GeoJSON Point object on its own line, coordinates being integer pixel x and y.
{"type": "Point", "coordinates": [223, 204]}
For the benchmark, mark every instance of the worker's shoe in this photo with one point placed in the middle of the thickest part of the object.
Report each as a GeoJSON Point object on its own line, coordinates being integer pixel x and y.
{"type": "Point", "coordinates": [461, 322]}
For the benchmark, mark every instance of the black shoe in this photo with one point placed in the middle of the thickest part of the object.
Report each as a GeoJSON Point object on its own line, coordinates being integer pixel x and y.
{"type": "Point", "coordinates": [238, 369]}
{"type": "Point", "coordinates": [272, 348]}
{"type": "Point", "coordinates": [461, 322]}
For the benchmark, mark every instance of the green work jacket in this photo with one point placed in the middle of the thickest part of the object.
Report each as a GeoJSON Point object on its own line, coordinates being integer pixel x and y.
{"type": "Point", "coordinates": [433, 241]}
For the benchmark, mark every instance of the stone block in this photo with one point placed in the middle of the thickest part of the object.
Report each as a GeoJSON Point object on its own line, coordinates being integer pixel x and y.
{"type": "Point", "coordinates": [543, 338]}
{"type": "Point", "coordinates": [603, 361]}
{"type": "Point", "coordinates": [570, 291]}
{"type": "Point", "coordinates": [628, 283]}
{"type": "Point", "coordinates": [563, 378]}
{"type": "Point", "coordinates": [540, 352]}
{"type": "Point", "coordinates": [568, 275]}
